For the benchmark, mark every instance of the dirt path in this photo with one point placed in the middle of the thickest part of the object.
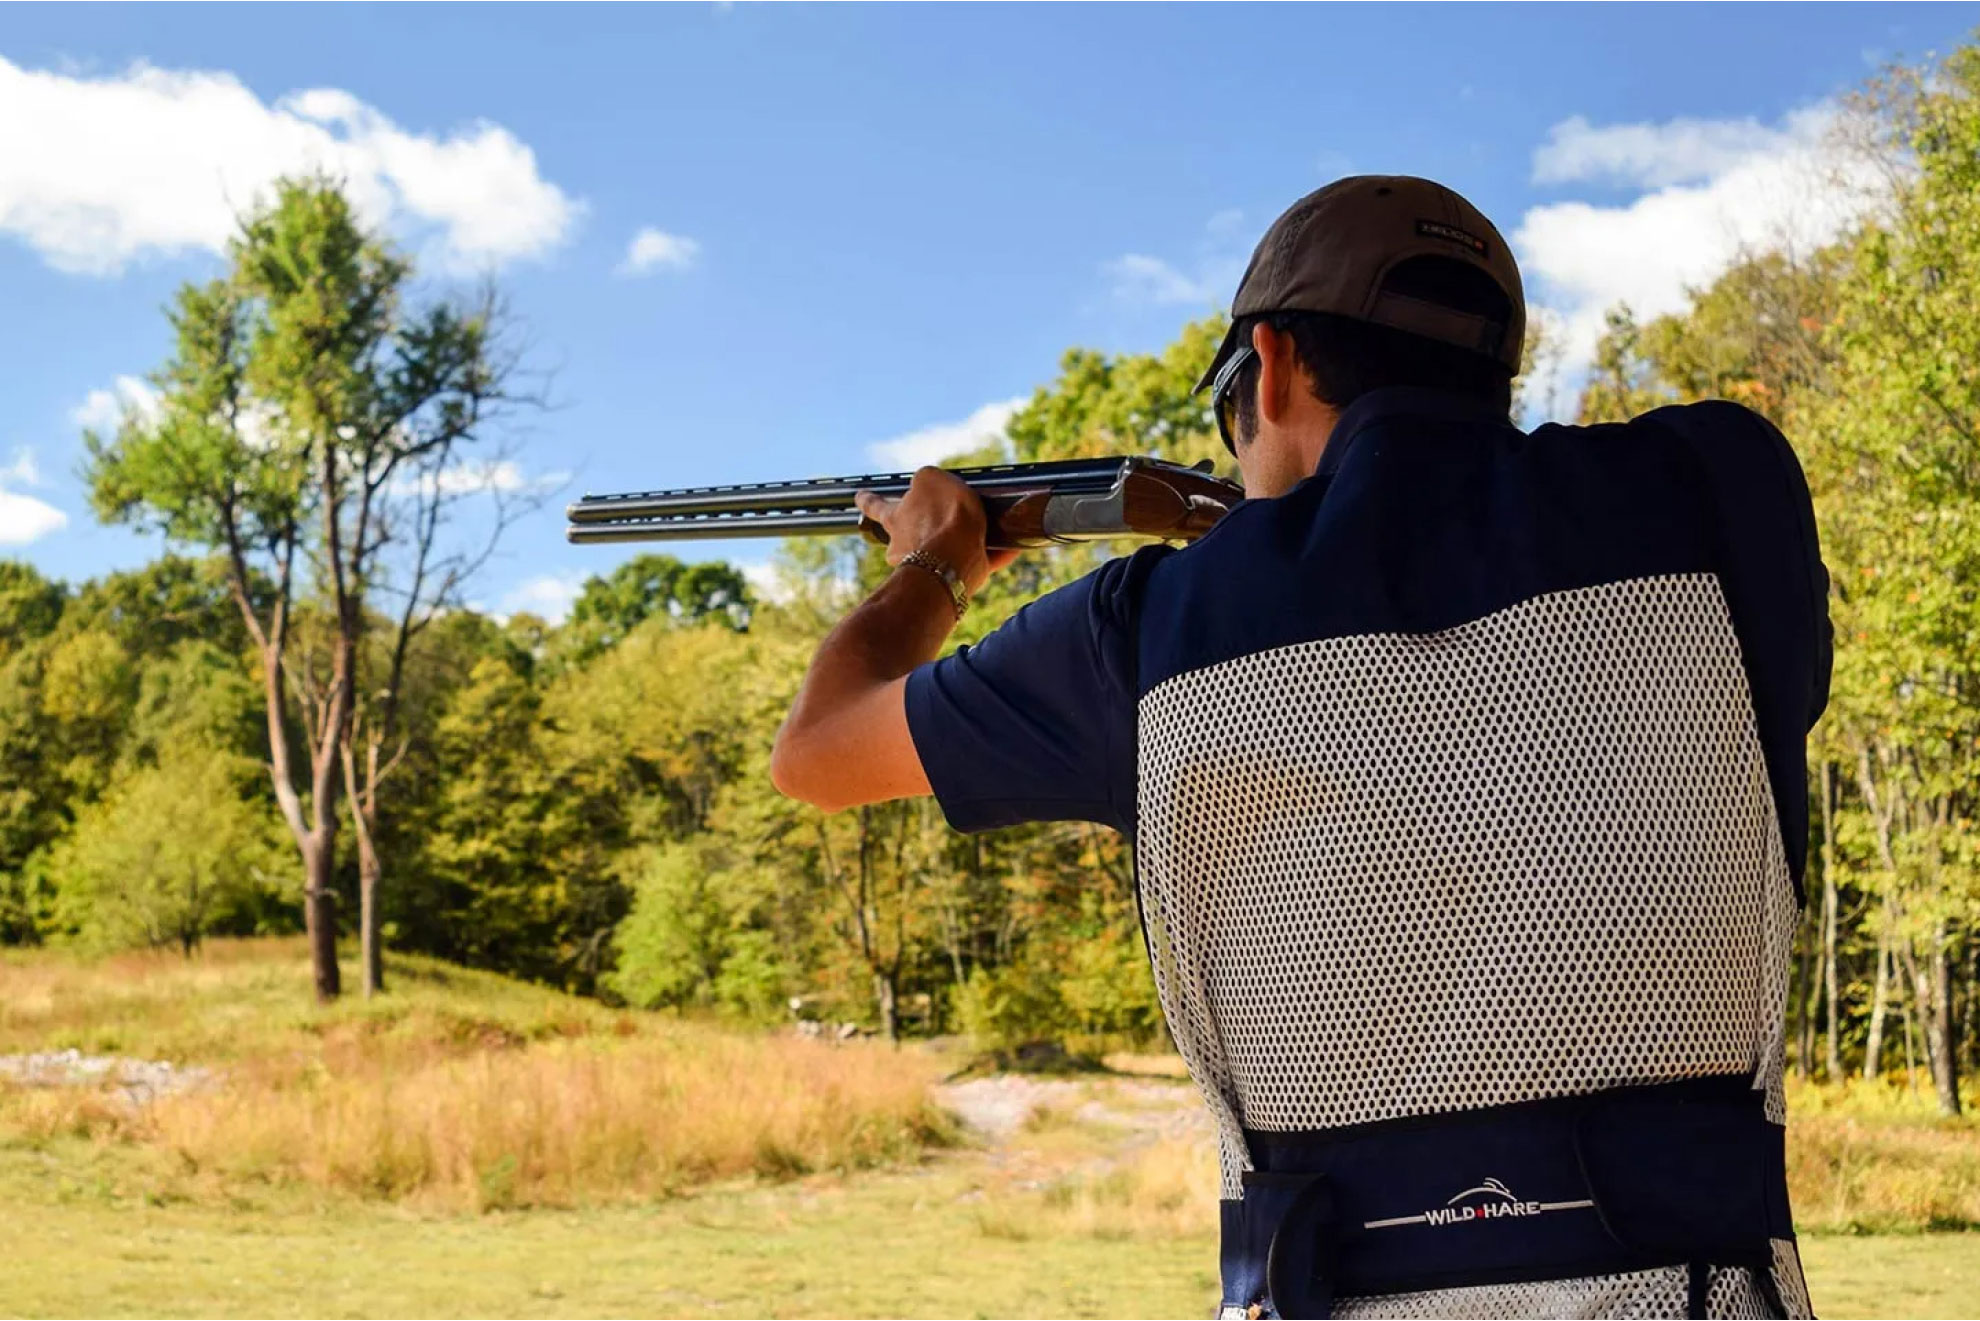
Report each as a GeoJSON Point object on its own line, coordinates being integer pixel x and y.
{"type": "Point", "coordinates": [1000, 1106]}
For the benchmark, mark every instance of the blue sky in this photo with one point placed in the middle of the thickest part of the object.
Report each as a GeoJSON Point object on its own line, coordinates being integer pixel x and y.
{"type": "Point", "coordinates": [863, 224]}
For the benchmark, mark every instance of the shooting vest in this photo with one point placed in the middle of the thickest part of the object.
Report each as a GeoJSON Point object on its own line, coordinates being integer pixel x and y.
{"type": "Point", "coordinates": [1471, 918]}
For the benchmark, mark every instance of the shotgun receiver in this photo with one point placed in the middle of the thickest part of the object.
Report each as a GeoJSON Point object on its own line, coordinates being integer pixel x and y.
{"type": "Point", "coordinates": [1028, 504]}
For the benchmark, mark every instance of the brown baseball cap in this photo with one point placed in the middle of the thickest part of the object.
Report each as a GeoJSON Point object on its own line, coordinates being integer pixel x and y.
{"type": "Point", "coordinates": [1332, 250]}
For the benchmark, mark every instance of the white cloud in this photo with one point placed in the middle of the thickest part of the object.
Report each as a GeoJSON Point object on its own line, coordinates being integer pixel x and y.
{"type": "Point", "coordinates": [478, 477]}
{"type": "Point", "coordinates": [1207, 281]}
{"type": "Point", "coordinates": [1139, 278]}
{"type": "Point", "coordinates": [22, 517]}
{"type": "Point", "coordinates": [767, 581]}
{"type": "Point", "coordinates": [547, 595]}
{"type": "Point", "coordinates": [23, 470]}
{"type": "Point", "coordinates": [1652, 155]}
{"type": "Point", "coordinates": [652, 250]}
{"type": "Point", "coordinates": [158, 162]}
{"type": "Point", "coordinates": [1708, 192]}
{"type": "Point", "coordinates": [103, 410]}
{"type": "Point", "coordinates": [945, 440]}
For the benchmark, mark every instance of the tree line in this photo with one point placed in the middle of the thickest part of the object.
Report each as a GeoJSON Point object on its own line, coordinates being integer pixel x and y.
{"type": "Point", "coordinates": [295, 721]}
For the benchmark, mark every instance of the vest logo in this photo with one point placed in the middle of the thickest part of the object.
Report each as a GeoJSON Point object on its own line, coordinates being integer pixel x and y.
{"type": "Point", "coordinates": [1486, 1209]}
{"type": "Point", "coordinates": [1490, 1200]}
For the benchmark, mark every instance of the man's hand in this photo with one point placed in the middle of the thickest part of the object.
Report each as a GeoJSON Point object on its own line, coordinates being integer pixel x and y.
{"type": "Point", "coordinates": [939, 514]}
{"type": "Point", "coordinates": [846, 740]}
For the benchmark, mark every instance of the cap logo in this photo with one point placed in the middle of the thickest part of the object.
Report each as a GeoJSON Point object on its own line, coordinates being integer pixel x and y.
{"type": "Point", "coordinates": [1437, 229]}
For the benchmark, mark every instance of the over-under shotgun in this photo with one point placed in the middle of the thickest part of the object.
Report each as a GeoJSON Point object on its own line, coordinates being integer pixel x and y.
{"type": "Point", "coordinates": [1029, 504]}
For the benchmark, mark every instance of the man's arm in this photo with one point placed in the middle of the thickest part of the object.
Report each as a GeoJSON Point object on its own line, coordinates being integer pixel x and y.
{"type": "Point", "coordinates": [846, 740]}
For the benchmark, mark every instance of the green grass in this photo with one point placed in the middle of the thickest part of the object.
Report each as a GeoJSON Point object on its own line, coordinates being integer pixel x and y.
{"type": "Point", "coordinates": [901, 1244]}
{"type": "Point", "coordinates": [872, 1245]}
{"type": "Point", "coordinates": [1921, 1275]}
{"type": "Point", "coordinates": [245, 999]}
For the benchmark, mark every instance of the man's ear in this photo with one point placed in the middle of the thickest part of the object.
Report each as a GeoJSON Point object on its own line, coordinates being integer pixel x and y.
{"type": "Point", "coordinates": [1278, 371]}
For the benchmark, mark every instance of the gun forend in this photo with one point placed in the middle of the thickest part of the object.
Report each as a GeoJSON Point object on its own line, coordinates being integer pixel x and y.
{"type": "Point", "coordinates": [1028, 504]}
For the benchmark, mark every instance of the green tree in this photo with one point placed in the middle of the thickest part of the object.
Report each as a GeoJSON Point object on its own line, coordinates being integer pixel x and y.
{"type": "Point", "coordinates": [1898, 487]}
{"type": "Point", "coordinates": [1622, 381]}
{"type": "Point", "coordinates": [698, 934]}
{"type": "Point", "coordinates": [494, 894]}
{"type": "Point", "coordinates": [31, 604]}
{"type": "Point", "coordinates": [608, 609]}
{"type": "Point", "coordinates": [310, 431]}
{"type": "Point", "coordinates": [152, 609]}
{"type": "Point", "coordinates": [169, 854]}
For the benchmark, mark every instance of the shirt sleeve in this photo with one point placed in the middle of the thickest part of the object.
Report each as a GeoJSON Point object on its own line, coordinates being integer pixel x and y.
{"type": "Point", "coordinates": [1769, 561]}
{"type": "Point", "coordinates": [1035, 722]}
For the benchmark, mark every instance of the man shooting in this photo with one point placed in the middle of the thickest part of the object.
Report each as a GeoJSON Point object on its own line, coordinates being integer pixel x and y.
{"type": "Point", "coordinates": [1465, 772]}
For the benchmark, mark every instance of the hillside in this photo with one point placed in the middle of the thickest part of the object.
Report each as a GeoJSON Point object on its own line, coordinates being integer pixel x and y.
{"type": "Point", "coordinates": [458, 1090]}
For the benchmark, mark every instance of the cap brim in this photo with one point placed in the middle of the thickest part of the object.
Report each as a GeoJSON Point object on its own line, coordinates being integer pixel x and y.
{"type": "Point", "coordinates": [1225, 352]}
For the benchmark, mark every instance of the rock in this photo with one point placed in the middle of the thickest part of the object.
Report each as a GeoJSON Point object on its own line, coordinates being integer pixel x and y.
{"type": "Point", "coordinates": [137, 1082]}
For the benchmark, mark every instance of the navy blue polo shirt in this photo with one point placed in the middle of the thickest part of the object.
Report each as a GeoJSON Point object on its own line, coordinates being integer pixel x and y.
{"type": "Point", "coordinates": [1425, 514]}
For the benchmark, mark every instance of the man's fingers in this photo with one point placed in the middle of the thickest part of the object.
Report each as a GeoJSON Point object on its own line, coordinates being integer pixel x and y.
{"type": "Point", "coordinates": [879, 509]}
{"type": "Point", "coordinates": [875, 506]}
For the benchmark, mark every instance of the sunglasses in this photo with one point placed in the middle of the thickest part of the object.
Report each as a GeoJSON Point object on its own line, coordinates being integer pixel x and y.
{"type": "Point", "coordinates": [1223, 391]}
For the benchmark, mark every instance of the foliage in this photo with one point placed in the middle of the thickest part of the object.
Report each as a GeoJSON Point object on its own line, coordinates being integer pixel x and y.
{"type": "Point", "coordinates": [608, 609]}
{"type": "Point", "coordinates": [168, 856]}
{"type": "Point", "coordinates": [691, 940]}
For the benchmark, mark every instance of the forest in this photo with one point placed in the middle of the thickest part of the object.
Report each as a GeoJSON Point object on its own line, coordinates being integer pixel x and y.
{"type": "Point", "coordinates": [295, 722]}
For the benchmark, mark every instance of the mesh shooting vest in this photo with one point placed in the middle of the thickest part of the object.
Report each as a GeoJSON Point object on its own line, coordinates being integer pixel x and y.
{"type": "Point", "coordinates": [1475, 935]}
{"type": "Point", "coordinates": [1532, 857]}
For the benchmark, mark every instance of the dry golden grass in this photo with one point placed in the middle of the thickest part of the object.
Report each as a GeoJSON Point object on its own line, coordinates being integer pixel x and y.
{"type": "Point", "coordinates": [457, 1091]}
{"type": "Point", "coordinates": [1875, 1158]}
{"type": "Point", "coordinates": [1168, 1190]}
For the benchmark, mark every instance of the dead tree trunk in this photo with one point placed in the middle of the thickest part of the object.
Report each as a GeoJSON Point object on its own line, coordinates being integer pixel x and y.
{"type": "Point", "coordinates": [1880, 996]}
{"type": "Point", "coordinates": [1941, 1025]}
{"type": "Point", "coordinates": [1832, 1061]}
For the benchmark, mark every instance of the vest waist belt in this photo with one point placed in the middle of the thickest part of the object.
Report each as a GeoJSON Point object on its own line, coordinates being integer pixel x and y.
{"type": "Point", "coordinates": [1686, 1173]}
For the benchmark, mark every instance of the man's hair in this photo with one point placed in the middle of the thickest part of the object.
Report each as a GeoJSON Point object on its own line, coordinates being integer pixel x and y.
{"type": "Point", "coordinates": [1347, 358]}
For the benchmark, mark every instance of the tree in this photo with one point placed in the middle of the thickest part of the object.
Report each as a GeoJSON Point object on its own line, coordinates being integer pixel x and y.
{"type": "Point", "coordinates": [1622, 381]}
{"type": "Point", "coordinates": [309, 430]}
{"type": "Point", "coordinates": [1899, 495]}
{"type": "Point", "coordinates": [31, 604]}
{"type": "Point", "coordinates": [154, 608]}
{"type": "Point", "coordinates": [608, 609]}
{"type": "Point", "coordinates": [697, 935]}
{"type": "Point", "coordinates": [167, 855]}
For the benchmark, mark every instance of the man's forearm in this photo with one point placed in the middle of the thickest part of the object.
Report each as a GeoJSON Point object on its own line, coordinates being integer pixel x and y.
{"type": "Point", "coordinates": [901, 625]}
{"type": "Point", "coordinates": [851, 694]}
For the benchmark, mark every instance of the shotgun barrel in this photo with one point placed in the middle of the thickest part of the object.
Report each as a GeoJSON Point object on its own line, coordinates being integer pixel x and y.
{"type": "Point", "coordinates": [1027, 504]}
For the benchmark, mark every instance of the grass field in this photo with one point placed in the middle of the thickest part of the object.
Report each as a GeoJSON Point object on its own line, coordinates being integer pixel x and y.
{"type": "Point", "coordinates": [876, 1244]}
{"type": "Point", "coordinates": [1093, 1205]}
{"type": "Point", "coordinates": [459, 1091]}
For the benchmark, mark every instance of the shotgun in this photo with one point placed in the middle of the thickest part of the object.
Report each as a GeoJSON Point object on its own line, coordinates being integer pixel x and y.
{"type": "Point", "coordinates": [1028, 504]}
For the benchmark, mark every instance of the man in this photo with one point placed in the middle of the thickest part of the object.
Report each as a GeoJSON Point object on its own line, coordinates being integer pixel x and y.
{"type": "Point", "coordinates": [1465, 771]}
